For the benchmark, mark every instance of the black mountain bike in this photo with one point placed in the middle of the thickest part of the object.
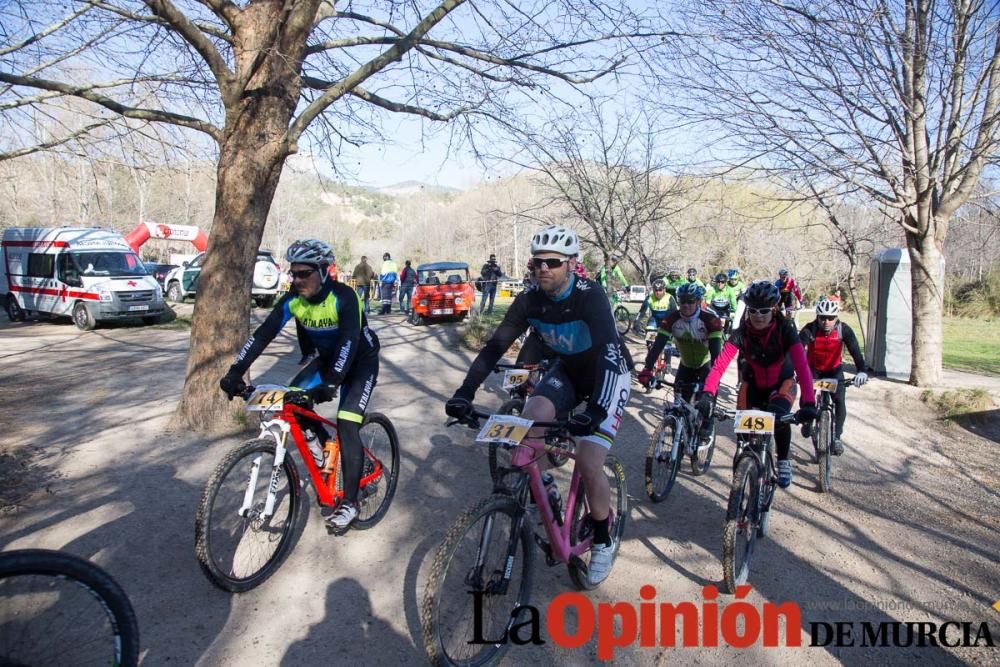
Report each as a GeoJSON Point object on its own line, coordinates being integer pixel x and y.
{"type": "Point", "coordinates": [752, 492]}
{"type": "Point", "coordinates": [59, 609]}
{"type": "Point", "coordinates": [677, 436]}
{"type": "Point", "coordinates": [823, 429]}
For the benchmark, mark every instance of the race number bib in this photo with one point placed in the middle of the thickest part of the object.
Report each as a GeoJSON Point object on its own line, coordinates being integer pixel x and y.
{"type": "Point", "coordinates": [754, 421]}
{"type": "Point", "coordinates": [826, 384]}
{"type": "Point", "coordinates": [504, 430]}
{"type": "Point", "coordinates": [514, 378]}
{"type": "Point", "coordinates": [267, 398]}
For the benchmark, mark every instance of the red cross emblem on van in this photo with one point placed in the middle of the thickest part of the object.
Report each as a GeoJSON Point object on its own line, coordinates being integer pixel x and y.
{"type": "Point", "coordinates": [132, 283]}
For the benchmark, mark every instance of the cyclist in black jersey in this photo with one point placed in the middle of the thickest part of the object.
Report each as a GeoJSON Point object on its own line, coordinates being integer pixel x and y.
{"type": "Point", "coordinates": [572, 318]}
{"type": "Point", "coordinates": [331, 316]}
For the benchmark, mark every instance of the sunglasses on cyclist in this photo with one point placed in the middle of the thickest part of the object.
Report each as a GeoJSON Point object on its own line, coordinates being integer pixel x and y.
{"type": "Point", "coordinates": [551, 262]}
{"type": "Point", "coordinates": [302, 274]}
{"type": "Point", "coordinates": [688, 302]}
{"type": "Point", "coordinates": [759, 311]}
{"type": "Point", "coordinates": [828, 318]}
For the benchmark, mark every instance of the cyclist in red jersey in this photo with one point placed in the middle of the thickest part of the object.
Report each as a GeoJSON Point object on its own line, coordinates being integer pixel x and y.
{"type": "Point", "coordinates": [774, 356]}
{"type": "Point", "coordinates": [825, 339]}
{"type": "Point", "coordinates": [788, 288]}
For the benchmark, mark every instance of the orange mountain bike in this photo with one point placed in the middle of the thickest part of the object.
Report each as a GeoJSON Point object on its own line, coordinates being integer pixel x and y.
{"type": "Point", "coordinates": [252, 502]}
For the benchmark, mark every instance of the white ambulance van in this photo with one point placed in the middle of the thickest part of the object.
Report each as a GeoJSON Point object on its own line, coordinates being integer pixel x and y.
{"type": "Point", "coordinates": [90, 275]}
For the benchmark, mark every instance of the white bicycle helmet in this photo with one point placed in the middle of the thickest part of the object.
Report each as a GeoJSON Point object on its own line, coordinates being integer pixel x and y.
{"type": "Point", "coordinates": [309, 251]}
{"type": "Point", "coordinates": [555, 239]}
{"type": "Point", "coordinates": [826, 307]}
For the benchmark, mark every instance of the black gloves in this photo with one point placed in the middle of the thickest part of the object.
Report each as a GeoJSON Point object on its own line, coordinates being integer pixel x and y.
{"type": "Point", "coordinates": [322, 393]}
{"type": "Point", "coordinates": [806, 414]}
{"type": "Point", "coordinates": [705, 405]}
{"type": "Point", "coordinates": [585, 423]}
{"type": "Point", "coordinates": [232, 383]}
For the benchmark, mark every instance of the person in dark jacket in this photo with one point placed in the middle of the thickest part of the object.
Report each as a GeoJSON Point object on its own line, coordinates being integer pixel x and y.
{"type": "Point", "coordinates": [490, 274]}
{"type": "Point", "coordinates": [407, 281]}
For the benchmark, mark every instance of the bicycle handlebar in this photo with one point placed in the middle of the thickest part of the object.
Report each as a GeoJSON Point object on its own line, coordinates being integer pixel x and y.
{"type": "Point", "coordinates": [472, 421]}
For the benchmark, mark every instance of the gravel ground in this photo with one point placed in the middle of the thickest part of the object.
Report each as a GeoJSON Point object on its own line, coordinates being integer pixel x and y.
{"type": "Point", "coordinates": [90, 463]}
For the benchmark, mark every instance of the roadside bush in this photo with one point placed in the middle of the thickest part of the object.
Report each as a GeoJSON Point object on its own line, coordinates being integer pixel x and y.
{"type": "Point", "coordinates": [975, 299]}
{"type": "Point", "coordinates": [958, 402]}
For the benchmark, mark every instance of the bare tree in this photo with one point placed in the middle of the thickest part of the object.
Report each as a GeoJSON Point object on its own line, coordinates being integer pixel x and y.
{"type": "Point", "coordinates": [895, 100]}
{"type": "Point", "coordinates": [255, 76]}
{"type": "Point", "coordinates": [606, 173]}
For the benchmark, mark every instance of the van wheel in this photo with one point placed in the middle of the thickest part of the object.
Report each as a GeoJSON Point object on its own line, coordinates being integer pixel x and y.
{"type": "Point", "coordinates": [14, 310]}
{"type": "Point", "coordinates": [82, 317]}
{"type": "Point", "coordinates": [174, 292]}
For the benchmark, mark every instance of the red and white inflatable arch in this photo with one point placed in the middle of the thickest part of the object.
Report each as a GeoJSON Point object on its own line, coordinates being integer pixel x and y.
{"type": "Point", "coordinates": [155, 230]}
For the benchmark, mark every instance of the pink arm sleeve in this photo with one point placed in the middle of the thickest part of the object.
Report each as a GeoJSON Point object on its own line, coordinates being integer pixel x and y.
{"type": "Point", "coordinates": [722, 363]}
{"type": "Point", "coordinates": [804, 374]}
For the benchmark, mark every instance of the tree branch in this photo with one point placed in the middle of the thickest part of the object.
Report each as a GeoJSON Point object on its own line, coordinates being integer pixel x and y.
{"type": "Point", "coordinates": [193, 36]}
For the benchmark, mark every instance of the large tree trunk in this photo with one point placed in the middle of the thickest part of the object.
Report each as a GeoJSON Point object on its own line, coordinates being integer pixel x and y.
{"type": "Point", "coordinates": [247, 179]}
{"type": "Point", "coordinates": [927, 290]}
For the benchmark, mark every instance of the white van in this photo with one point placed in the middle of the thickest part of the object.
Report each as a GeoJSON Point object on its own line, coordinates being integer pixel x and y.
{"type": "Point", "coordinates": [87, 274]}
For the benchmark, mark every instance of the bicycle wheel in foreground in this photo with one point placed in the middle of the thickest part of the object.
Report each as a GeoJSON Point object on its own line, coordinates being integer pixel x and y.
{"type": "Point", "coordinates": [239, 549]}
{"type": "Point", "coordinates": [469, 569]}
{"type": "Point", "coordinates": [739, 535]}
{"type": "Point", "coordinates": [824, 442]}
{"type": "Point", "coordinates": [583, 526]}
{"type": "Point", "coordinates": [378, 437]}
{"type": "Point", "coordinates": [661, 469]}
{"type": "Point", "coordinates": [58, 609]}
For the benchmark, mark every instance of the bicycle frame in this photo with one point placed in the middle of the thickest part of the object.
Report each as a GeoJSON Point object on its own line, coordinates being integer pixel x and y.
{"type": "Point", "coordinates": [525, 458]}
{"type": "Point", "coordinates": [278, 428]}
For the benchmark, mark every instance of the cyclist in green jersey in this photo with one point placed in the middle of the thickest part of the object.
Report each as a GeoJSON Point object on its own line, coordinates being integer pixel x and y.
{"type": "Point", "coordinates": [692, 277]}
{"type": "Point", "coordinates": [674, 280]}
{"type": "Point", "coordinates": [606, 274]}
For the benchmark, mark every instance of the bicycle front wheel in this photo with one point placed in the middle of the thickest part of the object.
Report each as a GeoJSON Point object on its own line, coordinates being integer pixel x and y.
{"type": "Point", "coordinates": [740, 533]}
{"type": "Point", "coordinates": [701, 459]}
{"type": "Point", "coordinates": [500, 457]}
{"type": "Point", "coordinates": [583, 526]}
{"type": "Point", "coordinates": [824, 442]}
{"type": "Point", "coordinates": [58, 609]}
{"type": "Point", "coordinates": [237, 546]}
{"type": "Point", "coordinates": [381, 448]}
{"type": "Point", "coordinates": [483, 571]}
{"type": "Point", "coordinates": [663, 458]}
{"type": "Point", "coordinates": [623, 319]}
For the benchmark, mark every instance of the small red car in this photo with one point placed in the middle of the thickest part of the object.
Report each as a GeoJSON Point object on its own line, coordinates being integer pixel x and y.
{"type": "Point", "coordinates": [444, 290]}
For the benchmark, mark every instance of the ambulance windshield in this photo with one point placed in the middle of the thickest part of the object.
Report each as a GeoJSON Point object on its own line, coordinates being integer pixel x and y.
{"type": "Point", "coordinates": [109, 263]}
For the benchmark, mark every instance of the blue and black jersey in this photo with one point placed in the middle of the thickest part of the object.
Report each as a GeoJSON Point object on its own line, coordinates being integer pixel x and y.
{"type": "Point", "coordinates": [333, 321]}
{"type": "Point", "coordinates": [576, 327]}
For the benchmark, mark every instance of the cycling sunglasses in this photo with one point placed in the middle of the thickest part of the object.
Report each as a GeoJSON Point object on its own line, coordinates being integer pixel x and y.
{"type": "Point", "coordinates": [760, 311]}
{"type": "Point", "coordinates": [302, 274]}
{"type": "Point", "coordinates": [688, 302]}
{"type": "Point", "coordinates": [828, 318]}
{"type": "Point", "coordinates": [551, 262]}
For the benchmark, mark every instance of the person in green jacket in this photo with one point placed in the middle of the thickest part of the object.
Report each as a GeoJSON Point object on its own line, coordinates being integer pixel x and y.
{"type": "Point", "coordinates": [605, 274]}
{"type": "Point", "coordinates": [674, 280]}
{"type": "Point", "coordinates": [692, 277]}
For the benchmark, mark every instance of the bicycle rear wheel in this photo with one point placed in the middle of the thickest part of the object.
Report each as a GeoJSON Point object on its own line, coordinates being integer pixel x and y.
{"type": "Point", "coordinates": [583, 526]}
{"type": "Point", "coordinates": [663, 458]}
{"type": "Point", "coordinates": [238, 549]}
{"type": "Point", "coordinates": [824, 442]}
{"type": "Point", "coordinates": [381, 444]}
{"type": "Point", "coordinates": [740, 533]}
{"type": "Point", "coordinates": [58, 609]}
{"type": "Point", "coordinates": [486, 558]}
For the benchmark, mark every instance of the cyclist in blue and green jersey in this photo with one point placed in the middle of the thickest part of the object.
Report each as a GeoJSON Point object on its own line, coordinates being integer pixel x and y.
{"type": "Point", "coordinates": [721, 298]}
{"type": "Point", "coordinates": [657, 303]}
{"type": "Point", "coordinates": [331, 315]}
{"type": "Point", "coordinates": [674, 280]}
{"type": "Point", "coordinates": [692, 277]}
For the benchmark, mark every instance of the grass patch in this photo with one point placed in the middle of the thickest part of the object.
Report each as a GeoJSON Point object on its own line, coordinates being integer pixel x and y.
{"type": "Point", "coordinates": [958, 402]}
{"type": "Point", "coordinates": [179, 322]}
{"type": "Point", "coordinates": [479, 328]}
{"type": "Point", "coordinates": [971, 345]}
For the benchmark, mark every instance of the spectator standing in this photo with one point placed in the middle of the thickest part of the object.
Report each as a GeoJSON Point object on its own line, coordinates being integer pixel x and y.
{"type": "Point", "coordinates": [490, 274]}
{"type": "Point", "coordinates": [363, 276]}
{"type": "Point", "coordinates": [388, 274]}
{"type": "Point", "coordinates": [407, 281]}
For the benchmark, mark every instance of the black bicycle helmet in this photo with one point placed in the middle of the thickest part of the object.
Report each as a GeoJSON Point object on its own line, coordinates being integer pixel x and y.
{"type": "Point", "coordinates": [720, 278]}
{"type": "Point", "coordinates": [762, 294]}
{"type": "Point", "coordinates": [659, 285]}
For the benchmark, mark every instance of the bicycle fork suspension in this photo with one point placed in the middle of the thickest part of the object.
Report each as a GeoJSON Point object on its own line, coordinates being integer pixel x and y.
{"type": "Point", "coordinates": [475, 577]}
{"type": "Point", "coordinates": [272, 487]}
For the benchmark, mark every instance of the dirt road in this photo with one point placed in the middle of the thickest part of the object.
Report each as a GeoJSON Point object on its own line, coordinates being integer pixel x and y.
{"type": "Point", "coordinates": [92, 466]}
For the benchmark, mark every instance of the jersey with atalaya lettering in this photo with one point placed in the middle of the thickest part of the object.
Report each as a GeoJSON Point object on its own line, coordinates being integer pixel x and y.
{"type": "Point", "coordinates": [577, 327]}
{"type": "Point", "coordinates": [333, 320]}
